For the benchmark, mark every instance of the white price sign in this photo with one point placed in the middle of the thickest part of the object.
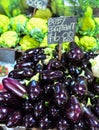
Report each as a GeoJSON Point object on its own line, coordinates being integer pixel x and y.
{"type": "Point", "coordinates": [39, 4]}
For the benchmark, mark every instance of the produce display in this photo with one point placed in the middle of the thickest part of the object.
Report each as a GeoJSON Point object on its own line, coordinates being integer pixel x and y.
{"type": "Point", "coordinates": [88, 29]}
{"type": "Point", "coordinates": [22, 32]}
{"type": "Point", "coordinates": [21, 29]}
{"type": "Point", "coordinates": [44, 92]}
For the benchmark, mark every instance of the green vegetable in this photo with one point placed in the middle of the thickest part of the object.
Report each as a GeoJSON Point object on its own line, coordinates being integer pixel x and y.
{"type": "Point", "coordinates": [9, 39]}
{"type": "Point", "coordinates": [88, 42]}
{"type": "Point", "coordinates": [96, 20]}
{"type": "Point", "coordinates": [37, 34]}
{"type": "Point", "coordinates": [53, 6]}
{"type": "Point", "coordinates": [76, 39]}
{"type": "Point", "coordinates": [27, 42]}
{"type": "Point", "coordinates": [6, 4]}
{"type": "Point", "coordinates": [44, 42]}
{"type": "Point", "coordinates": [4, 23]}
{"type": "Point", "coordinates": [18, 23]}
{"type": "Point", "coordinates": [37, 28]}
{"type": "Point", "coordinates": [44, 14]}
{"type": "Point", "coordinates": [37, 23]}
{"type": "Point", "coordinates": [1, 41]}
{"type": "Point", "coordinates": [88, 12]}
{"type": "Point", "coordinates": [87, 22]}
{"type": "Point", "coordinates": [16, 11]}
{"type": "Point", "coordinates": [13, 7]}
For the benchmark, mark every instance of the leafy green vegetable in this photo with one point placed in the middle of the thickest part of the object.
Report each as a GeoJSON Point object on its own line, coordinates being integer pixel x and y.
{"type": "Point", "coordinates": [18, 23]}
{"type": "Point", "coordinates": [27, 42]}
{"type": "Point", "coordinates": [4, 23]}
{"type": "Point", "coordinates": [88, 42]}
{"type": "Point", "coordinates": [36, 23]}
{"type": "Point", "coordinates": [9, 39]}
{"type": "Point", "coordinates": [44, 14]}
{"type": "Point", "coordinates": [37, 34]}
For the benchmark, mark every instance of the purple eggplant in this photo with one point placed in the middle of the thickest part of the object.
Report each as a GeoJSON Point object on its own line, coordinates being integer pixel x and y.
{"type": "Point", "coordinates": [61, 95]}
{"type": "Point", "coordinates": [9, 99]}
{"type": "Point", "coordinates": [4, 112]}
{"type": "Point", "coordinates": [51, 75]}
{"type": "Point", "coordinates": [54, 64]}
{"type": "Point", "coordinates": [80, 125]}
{"type": "Point", "coordinates": [27, 106]}
{"type": "Point", "coordinates": [89, 75]}
{"type": "Point", "coordinates": [45, 122]}
{"type": "Point", "coordinates": [62, 124]}
{"type": "Point", "coordinates": [34, 51]}
{"type": "Point", "coordinates": [90, 119]}
{"type": "Point", "coordinates": [29, 121]}
{"type": "Point", "coordinates": [21, 73]}
{"type": "Point", "coordinates": [25, 64]}
{"type": "Point", "coordinates": [80, 87]}
{"type": "Point", "coordinates": [96, 110]}
{"type": "Point", "coordinates": [75, 53]}
{"type": "Point", "coordinates": [12, 85]}
{"type": "Point", "coordinates": [74, 109]}
{"type": "Point", "coordinates": [29, 54]}
{"type": "Point", "coordinates": [39, 109]}
{"type": "Point", "coordinates": [34, 91]}
{"type": "Point", "coordinates": [38, 57]}
{"type": "Point", "coordinates": [14, 119]}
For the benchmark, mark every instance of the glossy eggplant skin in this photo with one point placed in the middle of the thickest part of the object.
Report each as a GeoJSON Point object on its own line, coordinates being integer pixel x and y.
{"type": "Point", "coordinates": [56, 96]}
{"type": "Point", "coordinates": [62, 124]}
{"type": "Point", "coordinates": [29, 121]}
{"type": "Point", "coordinates": [51, 75]}
{"type": "Point", "coordinates": [4, 112]}
{"type": "Point", "coordinates": [73, 109]}
{"type": "Point", "coordinates": [34, 51]}
{"type": "Point", "coordinates": [21, 73]}
{"type": "Point", "coordinates": [30, 53]}
{"type": "Point", "coordinates": [24, 64]}
{"type": "Point", "coordinates": [9, 99]}
{"type": "Point", "coordinates": [91, 120]}
{"type": "Point", "coordinates": [12, 85]}
{"type": "Point", "coordinates": [54, 65]}
{"type": "Point", "coordinates": [61, 95]}
{"type": "Point", "coordinates": [14, 119]}
{"type": "Point", "coordinates": [34, 91]}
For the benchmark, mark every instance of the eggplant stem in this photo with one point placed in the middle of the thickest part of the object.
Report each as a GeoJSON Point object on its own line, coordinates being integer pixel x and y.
{"type": "Point", "coordinates": [25, 96]}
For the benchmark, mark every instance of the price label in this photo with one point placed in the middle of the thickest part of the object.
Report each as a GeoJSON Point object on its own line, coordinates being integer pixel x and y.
{"type": "Point", "coordinates": [39, 4]}
{"type": "Point", "coordinates": [61, 29]}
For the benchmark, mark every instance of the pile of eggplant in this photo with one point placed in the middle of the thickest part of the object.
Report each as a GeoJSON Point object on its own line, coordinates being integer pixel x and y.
{"type": "Point", "coordinates": [61, 94]}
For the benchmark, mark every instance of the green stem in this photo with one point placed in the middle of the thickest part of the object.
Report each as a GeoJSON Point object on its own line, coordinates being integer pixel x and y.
{"type": "Point", "coordinates": [25, 96]}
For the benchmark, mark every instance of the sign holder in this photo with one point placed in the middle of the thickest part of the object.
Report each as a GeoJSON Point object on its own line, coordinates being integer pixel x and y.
{"type": "Point", "coordinates": [60, 51]}
{"type": "Point", "coordinates": [34, 11]}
